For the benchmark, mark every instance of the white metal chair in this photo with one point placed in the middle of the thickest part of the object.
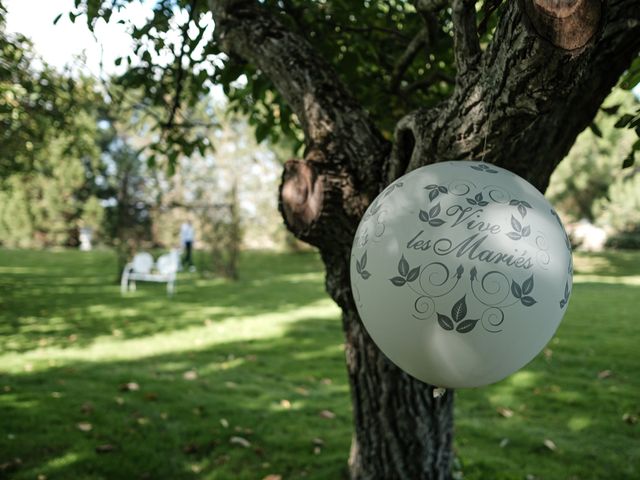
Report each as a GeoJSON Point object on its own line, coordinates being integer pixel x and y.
{"type": "Point", "coordinates": [142, 268]}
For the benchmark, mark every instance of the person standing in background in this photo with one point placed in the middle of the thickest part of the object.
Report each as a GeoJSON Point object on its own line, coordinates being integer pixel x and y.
{"type": "Point", "coordinates": [186, 237]}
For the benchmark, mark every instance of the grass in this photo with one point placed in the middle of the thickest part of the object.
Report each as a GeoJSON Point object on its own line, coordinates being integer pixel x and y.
{"type": "Point", "coordinates": [229, 380]}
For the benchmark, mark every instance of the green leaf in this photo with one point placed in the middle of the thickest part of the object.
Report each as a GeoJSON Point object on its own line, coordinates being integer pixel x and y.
{"type": "Point", "coordinates": [629, 161]}
{"type": "Point", "coordinates": [624, 120]}
{"type": "Point", "coordinates": [57, 19]}
{"type": "Point", "coordinates": [398, 281]}
{"type": "Point", "coordinates": [612, 110]}
{"type": "Point", "coordinates": [262, 131]}
{"type": "Point", "coordinates": [595, 129]}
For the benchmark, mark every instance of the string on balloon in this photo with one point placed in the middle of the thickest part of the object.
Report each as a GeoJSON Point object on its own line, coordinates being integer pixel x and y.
{"type": "Point", "coordinates": [486, 135]}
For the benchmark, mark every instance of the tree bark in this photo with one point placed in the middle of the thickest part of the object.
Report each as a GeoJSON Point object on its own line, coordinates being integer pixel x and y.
{"type": "Point", "coordinates": [519, 104]}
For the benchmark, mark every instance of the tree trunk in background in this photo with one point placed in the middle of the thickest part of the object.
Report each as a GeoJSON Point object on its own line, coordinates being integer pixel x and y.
{"type": "Point", "coordinates": [519, 104]}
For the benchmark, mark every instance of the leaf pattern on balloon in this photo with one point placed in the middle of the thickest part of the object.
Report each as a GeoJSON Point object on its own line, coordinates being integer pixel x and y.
{"type": "Point", "coordinates": [431, 217]}
{"type": "Point", "coordinates": [361, 266]}
{"type": "Point", "coordinates": [519, 231]}
{"type": "Point", "coordinates": [445, 322]}
{"type": "Point", "coordinates": [457, 320]}
{"type": "Point", "coordinates": [406, 273]}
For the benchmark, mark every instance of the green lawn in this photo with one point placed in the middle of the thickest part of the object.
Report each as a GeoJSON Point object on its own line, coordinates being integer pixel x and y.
{"type": "Point", "coordinates": [240, 380]}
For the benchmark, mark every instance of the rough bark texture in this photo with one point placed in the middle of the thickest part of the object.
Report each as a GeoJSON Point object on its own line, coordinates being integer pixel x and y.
{"type": "Point", "coordinates": [525, 97]}
{"type": "Point", "coordinates": [520, 104]}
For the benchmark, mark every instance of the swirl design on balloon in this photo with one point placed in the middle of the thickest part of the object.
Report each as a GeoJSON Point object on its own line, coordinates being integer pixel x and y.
{"type": "Point", "coordinates": [491, 320]}
{"type": "Point", "coordinates": [460, 188]}
{"type": "Point", "coordinates": [494, 288]}
{"type": "Point", "coordinates": [424, 307]}
{"type": "Point", "coordinates": [542, 256]}
{"type": "Point", "coordinates": [434, 279]}
{"type": "Point", "coordinates": [497, 194]}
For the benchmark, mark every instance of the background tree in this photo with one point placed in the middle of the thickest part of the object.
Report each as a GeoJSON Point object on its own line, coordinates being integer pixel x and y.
{"type": "Point", "coordinates": [378, 89]}
{"type": "Point", "coordinates": [584, 176]}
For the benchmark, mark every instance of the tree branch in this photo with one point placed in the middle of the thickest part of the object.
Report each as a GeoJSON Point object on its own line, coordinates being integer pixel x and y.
{"type": "Point", "coordinates": [323, 197]}
{"type": "Point", "coordinates": [465, 35]}
{"type": "Point", "coordinates": [330, 117]}
{"type": "Point", "coordinates": [406, 59]}
{"type": "Point", "coordinates": [529, 96]}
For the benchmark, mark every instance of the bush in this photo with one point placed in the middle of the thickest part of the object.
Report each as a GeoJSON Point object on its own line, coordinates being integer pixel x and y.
{"type": "Point", "coordinates": [620, 210]}
{"type": "Point", "coordinates": [624, 241]}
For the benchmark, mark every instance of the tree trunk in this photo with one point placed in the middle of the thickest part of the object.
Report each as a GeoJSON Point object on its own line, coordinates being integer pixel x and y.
{"type": "Point", "coordinates": [520, 104]}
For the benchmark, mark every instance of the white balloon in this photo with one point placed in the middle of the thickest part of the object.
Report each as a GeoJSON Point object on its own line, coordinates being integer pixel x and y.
{"type": "Point", "coordinates": [461, 273]}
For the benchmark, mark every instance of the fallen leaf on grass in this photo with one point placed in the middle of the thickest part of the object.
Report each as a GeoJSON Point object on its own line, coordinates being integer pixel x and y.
{"type": "Point", "coordinates": [129, 387]}
{"type": "Point", "coordinates": [604, 374]}
{"type": "Point", "coordinates": [190, 375]}
{"type": "Point", "coordinates": [286, 404]}
{"type": "Point", "coordinates": [105, 448]}
{"type": "Point", "coordinates": [549, 444]}
{"type": "Point", "coordinates": [327, 414]}
{"type": "Point", "coordinates": [326, 381]}
{"type": "Point", "coordinates": [230, 384]}
{"type": "Point", "coordinates": [318, 442]}
{"type": "Point", "coordinates": [504, 442]}
{"type": "Point", "coordinates": [224, 422]}
{"type": "Point", "coordinates": [243, 442]}
{"type": "Point", "coordinates": [302, 391]}
{"type": "Point", "coordinates": [630, 418]}
{"type": "Point", "coordinates": [273, 477]}
{"type": "Point", "coordinates": [84, 426]}
{"type": "Point", "coordinates": [119, 400]}
{"type": "Point", "coordinates": [505, 412]}
{"type": "Point", "coordinates": [317, 450]}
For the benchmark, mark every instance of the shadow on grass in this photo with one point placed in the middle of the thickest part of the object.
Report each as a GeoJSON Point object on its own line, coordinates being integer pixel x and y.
{"type": "Point", "coordinates": [67, 298]}
{"type": "Point", "coordinates": [268, 392]}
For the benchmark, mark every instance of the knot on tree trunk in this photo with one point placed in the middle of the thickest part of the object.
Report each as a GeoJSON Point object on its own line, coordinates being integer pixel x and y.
{"type": "Point", "coordinates": [301, 195]}
{"type": "Point", "coordinates": [567, 24]}
{"type": "Point", "coordinates": [319, 202]}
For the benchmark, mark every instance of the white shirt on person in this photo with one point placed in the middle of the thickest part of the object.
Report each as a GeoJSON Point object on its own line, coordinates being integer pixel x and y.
{"type": "Point", "coordinates": [186, 233]}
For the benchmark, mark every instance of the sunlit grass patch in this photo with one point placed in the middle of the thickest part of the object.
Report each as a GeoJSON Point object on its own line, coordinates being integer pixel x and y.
{"type": "Point", "coordinates": [227, 380]}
